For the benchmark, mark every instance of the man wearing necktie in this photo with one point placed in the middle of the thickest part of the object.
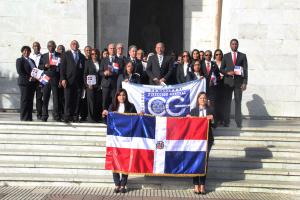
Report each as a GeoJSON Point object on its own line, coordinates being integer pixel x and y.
{"type": "Point", "coordinates": [72, 80]}
{"type": "Point", "coordinates": [234, 81]}
{"type": "Point", "coordinates": [49, 63]}
{"type": "Point", "coordinates": [159, 66]}
{"type": "Point", "coordinates": [211, 73]}
{"type": "Point", "coordinates": [36, 56]}
{"type": "Point", "coordinates": [109, 76]}
{"type": "Point", "coordinates": [137, 64]}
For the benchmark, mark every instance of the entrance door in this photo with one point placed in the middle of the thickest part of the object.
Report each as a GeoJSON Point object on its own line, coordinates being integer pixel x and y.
{"type": "Point", "coordinates": [155, 21]}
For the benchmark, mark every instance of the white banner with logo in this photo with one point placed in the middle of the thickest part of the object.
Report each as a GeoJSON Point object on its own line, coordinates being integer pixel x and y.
{"type": "Point", "coordinates": [169, 100]}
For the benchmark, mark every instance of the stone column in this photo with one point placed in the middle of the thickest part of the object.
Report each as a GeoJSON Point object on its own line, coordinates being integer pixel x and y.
{"type": "Point", "coordinates": [217, 27]}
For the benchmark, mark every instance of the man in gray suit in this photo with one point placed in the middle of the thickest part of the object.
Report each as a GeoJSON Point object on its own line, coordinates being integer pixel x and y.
{"type": "Point", "coordinates": [235, 69]}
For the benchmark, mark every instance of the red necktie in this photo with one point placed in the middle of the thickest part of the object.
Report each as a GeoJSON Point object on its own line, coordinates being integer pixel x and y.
{"type": "Point", "coordinates": [234, 58]}
{"type": "Point", "coordinates": [50, 58]}
{"type": "Point", "coordinates": [208, 68]}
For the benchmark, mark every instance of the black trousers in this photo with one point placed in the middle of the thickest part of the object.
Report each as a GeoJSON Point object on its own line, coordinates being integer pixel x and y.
{"type": "Point", "coordinates": [200, 180]}
{"type": "Point", "coordinates": [94, 104]}
{"type": "Point", "coordinates": [51, 86]}
{"type": "Point", "coordinates": [83, 106]}
{"type": "Point", "coordinates": [237, 100]}
{"type": "Point", "coordinates": [107, 95]}
{"type": "Point", "coordinates": [61, 102]}
{"type": "Point", "coordinates": [26, 101]}
{"type": "Point", "coordinates": [38, 100]}
{"type": "Point", "coordinates": [72, 102]}
{"type": "Point", "coordinates": [220, 102]}
{"type": "Point", "coordinates": [120, 181]}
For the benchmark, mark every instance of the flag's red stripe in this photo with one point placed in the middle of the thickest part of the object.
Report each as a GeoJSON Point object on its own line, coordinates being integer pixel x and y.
{"type": "Point", "coordinates": [187, 128]}
{"type": "Point", "coordinates": [129, 160]}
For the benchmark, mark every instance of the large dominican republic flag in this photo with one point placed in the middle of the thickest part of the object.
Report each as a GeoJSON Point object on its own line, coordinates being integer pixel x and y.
{"type": "Point", "coordinates": [156, 145]}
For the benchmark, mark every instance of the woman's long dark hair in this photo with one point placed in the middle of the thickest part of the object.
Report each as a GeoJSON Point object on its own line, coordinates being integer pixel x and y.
{"type": "Point", "coordinates": [115, 104]}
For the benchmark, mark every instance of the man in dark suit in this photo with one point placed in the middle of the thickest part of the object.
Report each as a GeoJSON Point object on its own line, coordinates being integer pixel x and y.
{"type": "Point", "coordinates": [110, 68]}
{"type": "Point", "coordinates": [159, 66]}
{"type": "Point", "coordinates": [36, 56]}
{"type": "Point", "coordinates": [211, 73]}
{"type": "Point", "coordinates": [50, 63]}
{"type": "Point", "coordinates": [235, 69]}
{"type": "Point", "coordinates": [71, 75]}
{"type": "Point", "coordinates": [137, 64]}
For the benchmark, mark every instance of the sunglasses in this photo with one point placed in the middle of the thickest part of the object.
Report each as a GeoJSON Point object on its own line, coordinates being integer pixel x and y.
{"type": "Point", "coordinates": [218, 54]}
{"type": "Point", "coordinates": [208, 55]}
{"type": "Point", "coordinates": [185, 56]}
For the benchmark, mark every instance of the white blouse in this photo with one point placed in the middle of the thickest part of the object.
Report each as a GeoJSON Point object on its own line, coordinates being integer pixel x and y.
{"type": "Point", "coordinates": [121, 108]}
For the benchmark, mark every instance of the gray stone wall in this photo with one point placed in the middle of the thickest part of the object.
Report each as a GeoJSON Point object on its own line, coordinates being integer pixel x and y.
{"type": "Point", "coordinates": [24, 21]}
{"type": "Point", "coordinates": [269, 32]}
{"type": "Point", "coordinates": [114, 22]}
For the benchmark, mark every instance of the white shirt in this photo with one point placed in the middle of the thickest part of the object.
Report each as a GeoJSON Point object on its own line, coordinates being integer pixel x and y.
{"type": "Point", "coordinates": [202, 112]}
{"type": "Point", "coordinates": [97, 66]}
{"type": "Point", "coordinates": [185, 67]}
{"type": "Point", "coordinates": [111, 58]}
{"type": "Point", "coordinates": [197, 75]}
{"type": "Point", "coordinates": [36, 58]}
{"type": "Point", "coordinates": [121, 108]}
{"type": "Point", "coordinates": [160, 59]}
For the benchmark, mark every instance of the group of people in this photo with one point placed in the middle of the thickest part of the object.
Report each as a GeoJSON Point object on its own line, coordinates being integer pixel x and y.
{"type": "Point", "coordinates": [83, 85]}
{"type": "Point", "coordinates": [87, 86]}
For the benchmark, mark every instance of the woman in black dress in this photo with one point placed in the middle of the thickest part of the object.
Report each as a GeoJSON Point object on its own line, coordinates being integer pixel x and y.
{"type": "Point", "coordinates": [202, 110]}
{"type": "Point", "coordinates": [122, 105]}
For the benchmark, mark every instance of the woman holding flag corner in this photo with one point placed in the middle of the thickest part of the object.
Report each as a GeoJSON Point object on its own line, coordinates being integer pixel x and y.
{"type": "Point", "coordinates": [121, 105]}
{"type": "Point", "coordinates": [202, 110]}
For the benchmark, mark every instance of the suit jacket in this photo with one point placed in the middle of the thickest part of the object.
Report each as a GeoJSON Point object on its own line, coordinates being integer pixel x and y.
{"type": "Point", "coordinates": [138, 66]}
{"type": "Point", "coordinates": [209, 111]}
{"type": "Point", "coordinates": [155, 71]}
{"type": "Point", "coordinates": [24, 70]}
{"type": "Point", "coordinates": [71, 71]}
{"type": "Point", "coordinates": [213, 69]}
{"type": "Point", "coordinates": [110, 81]}
{"type": "Point", "coordinates": [191, 76]}
{"type": "Point", "coordinates": [227, 65]}
{"type": "Point", "coordinates": [135, 78]}
{"type": "Point", "coordinates": [90, 69]}
{"type": "Point", "coordinates": [180, 78]}
{"type": "Point", "coordinates": [53, 70]}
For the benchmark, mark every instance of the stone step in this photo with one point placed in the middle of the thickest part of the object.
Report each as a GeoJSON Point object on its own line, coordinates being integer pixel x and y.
{"type": "Point", "coordinates": [259, 153]}
{"type": "Point", "coordinates": [216, 162]}
{"type": "Point", "coordinates": [148, 182]}
{"type": "Point", "coordinates": [254, 163]}
{"type": "Point", "coordinates": [213, 172]}
{"type": "Point", "coordinates": [73, 161]}
{"type": "Point", "coordinates": [53, 142]}
{"type": "Point", "coordinates": [75, 132]}
{"type": "Point", "coordinates": [54, 124]}
{"type": "Point", "coordinates": [27, 137]}
{"type": "Point", "coordinates": [254, 133]}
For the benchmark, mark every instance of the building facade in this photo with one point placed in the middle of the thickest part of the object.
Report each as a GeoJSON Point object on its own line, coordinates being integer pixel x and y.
{"type": "Point", "coordinates": [268, 32]}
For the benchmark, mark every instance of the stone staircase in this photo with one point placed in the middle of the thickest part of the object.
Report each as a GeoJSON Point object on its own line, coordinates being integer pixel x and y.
{"type": "Point", "coordinates": [265, 159]}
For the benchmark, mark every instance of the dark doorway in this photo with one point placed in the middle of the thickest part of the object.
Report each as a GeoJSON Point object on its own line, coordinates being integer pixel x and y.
{"type": "Point", "coordinates": [156, 20]}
